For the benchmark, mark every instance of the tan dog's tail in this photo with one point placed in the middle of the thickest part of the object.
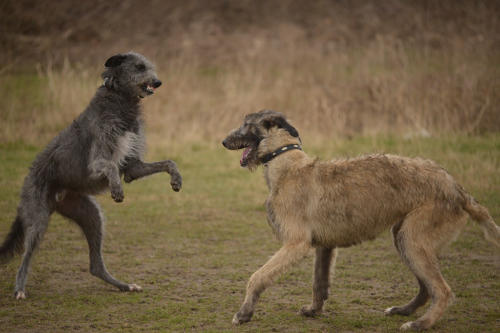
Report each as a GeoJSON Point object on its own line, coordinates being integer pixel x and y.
{"type": "Point", "coordinates": [481, 215]}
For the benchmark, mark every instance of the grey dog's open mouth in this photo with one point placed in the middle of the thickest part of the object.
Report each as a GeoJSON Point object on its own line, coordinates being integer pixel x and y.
{"type": "Point", "coordinates": [149, 89]}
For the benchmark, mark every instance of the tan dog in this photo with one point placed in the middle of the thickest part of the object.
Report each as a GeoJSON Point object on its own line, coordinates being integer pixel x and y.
{"type": "Point", "coordinates": [325, 205]}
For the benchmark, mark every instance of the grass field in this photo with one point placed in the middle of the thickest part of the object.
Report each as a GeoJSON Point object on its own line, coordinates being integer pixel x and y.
{"type": "Point", "coordinates": [417, 78]}
{"type": "Point", "coordinates": [193, 251]}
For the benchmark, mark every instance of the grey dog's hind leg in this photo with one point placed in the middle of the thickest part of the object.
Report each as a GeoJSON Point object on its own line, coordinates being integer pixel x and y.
{"type": "Point", "coordinates": [35, 222]}
{"type": "Point", "coordinates": [86, 213]}
{"type": "Point", "coordinates": [325, 257]}
{"type": "Point", "coordinates": [137, 169]}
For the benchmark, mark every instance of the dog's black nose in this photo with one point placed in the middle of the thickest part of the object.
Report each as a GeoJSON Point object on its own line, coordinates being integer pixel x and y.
{"type": "Point", "coordinates": [224, 143]}
{"type": "Point", "coordinates": [156, 83]}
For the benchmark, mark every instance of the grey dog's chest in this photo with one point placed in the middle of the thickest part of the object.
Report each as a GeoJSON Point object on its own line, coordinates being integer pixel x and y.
{"type": "Point", "coordinates": [128, 145]}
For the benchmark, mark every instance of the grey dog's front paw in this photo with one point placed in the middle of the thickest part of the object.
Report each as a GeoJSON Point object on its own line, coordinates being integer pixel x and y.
{"type": "Point", "coordinates": [117, 194]}
{"type": "Point", "coordinates": [176, 182]}
{"type": "Point", "coordinates": [20, 294]}
{"type": "Point", "coordinates": [127, 178]}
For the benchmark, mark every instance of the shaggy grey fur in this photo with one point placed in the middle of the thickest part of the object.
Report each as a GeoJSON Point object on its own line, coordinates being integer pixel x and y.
{"type": "Point", "coordinates": [105, 142]}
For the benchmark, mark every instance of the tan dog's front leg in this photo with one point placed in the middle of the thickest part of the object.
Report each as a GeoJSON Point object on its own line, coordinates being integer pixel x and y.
{"type": "Point", "coordinates": [263, 278]}
{"type": "Point", "coordinates": [325, 258]}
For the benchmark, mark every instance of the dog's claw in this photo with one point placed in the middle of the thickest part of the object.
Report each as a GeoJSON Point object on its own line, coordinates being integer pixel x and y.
{"type": "Point", "coordinates": [240, 318]}
{"type": "Point", "coordinates": [308, 311]}
{"type": "Point", "coordinates": [20, 295]}
{"type": "Point", "coordinates": [396, 310]}
{"type": "Point", "coordinates": [388, 311]}
{"type": "Point", "coordinates": [176, 187]}
{"type": "Point", "coordinates": [130, 287]}
{"type": "Point", "coordinates": [176, 183]}
{"type": "Point", "coordinates": [406, 326]}
{"type": "Point", "coordinates": [134, 287]}
{"type": "Point", "coordinates": [416, 325]}
{"type": "Point", "coordinates": [117, 195]}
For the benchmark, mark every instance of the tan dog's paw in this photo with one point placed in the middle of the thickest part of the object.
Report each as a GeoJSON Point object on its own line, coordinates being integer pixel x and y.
{"type": "Point", "coordinates": [308, 311]}
{"type": "Point", "coordinates": [240, 318]}
{"type": "Point", "coordinates": [412, 325]}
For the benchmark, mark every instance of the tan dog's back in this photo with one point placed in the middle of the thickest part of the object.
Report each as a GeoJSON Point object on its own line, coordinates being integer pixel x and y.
{"type": "Point", "coordinates": [352, 200]}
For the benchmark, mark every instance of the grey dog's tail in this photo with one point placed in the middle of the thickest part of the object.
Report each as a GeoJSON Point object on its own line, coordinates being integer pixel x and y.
{"type": "Point", "coordinates": [13, 243]}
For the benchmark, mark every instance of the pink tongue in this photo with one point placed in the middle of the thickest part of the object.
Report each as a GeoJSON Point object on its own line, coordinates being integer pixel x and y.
{"type": "Point", "coordinates": [245, 154]}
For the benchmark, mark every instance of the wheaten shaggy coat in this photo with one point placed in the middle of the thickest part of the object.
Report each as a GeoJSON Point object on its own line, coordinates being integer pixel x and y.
{"type": "Point", "coordinates": [325, 205]}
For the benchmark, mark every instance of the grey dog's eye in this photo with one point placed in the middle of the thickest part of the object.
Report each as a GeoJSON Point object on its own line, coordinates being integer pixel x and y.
{"type": "Point", "coordinates": [140, 67]}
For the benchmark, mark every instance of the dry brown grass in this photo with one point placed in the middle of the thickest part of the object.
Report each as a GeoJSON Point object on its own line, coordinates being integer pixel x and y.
{"type": "Point", "coordinates": [386, 89]}
{"type": "Point", "coordinates": [336, 69]}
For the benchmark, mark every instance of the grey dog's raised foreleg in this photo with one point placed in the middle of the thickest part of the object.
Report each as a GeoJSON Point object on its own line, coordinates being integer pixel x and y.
{"type": "Point", "coordinates": [137, 169]}
{"type": "Point", "coordinates": [102, 167]}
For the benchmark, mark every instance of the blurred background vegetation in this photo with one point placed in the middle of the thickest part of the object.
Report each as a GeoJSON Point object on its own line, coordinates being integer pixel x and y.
{"type": "Point", "coordinates": [337, 69]}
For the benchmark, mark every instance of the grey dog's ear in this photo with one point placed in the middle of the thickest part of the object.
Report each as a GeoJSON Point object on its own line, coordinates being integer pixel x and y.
{"type": "Point", "coordinates": [280, 122]}
{"type": "Point", "coordinates": [109, 82]}
{"type": "Point", "coordinates": [109, 74]}
{"type": "Point", "coordinates": [115, 60]}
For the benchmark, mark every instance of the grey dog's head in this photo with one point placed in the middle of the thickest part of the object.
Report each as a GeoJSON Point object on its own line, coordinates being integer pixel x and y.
{"type": "Point", "coordinates": [261, 132]}
{"type": "Point", "coordinates": [130, 74]}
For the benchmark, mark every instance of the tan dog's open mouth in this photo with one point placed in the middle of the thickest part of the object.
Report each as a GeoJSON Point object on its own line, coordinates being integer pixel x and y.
{"type": "Point", "coordinates": [244, 156]}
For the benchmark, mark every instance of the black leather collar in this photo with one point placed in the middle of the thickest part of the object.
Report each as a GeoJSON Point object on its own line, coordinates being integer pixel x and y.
{"type": "Point", "coordinates": [269, 156]}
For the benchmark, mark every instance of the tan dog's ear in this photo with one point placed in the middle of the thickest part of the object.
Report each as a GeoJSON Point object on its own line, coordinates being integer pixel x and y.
{"type": "Point", "coordinates": [280, 122]}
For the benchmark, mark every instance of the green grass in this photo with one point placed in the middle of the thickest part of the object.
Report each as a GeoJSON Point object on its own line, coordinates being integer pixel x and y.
{"type": "Point", "coordinates": [193, 252]}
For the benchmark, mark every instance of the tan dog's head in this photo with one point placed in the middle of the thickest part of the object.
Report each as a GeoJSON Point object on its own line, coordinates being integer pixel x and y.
{"type": "Point", "coordinates": [260, 133]}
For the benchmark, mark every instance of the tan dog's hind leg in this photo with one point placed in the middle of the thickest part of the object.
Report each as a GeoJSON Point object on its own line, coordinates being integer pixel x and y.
{"type": "Point", "coordinates": [263, 278]}
{"type": "Point", "coordinates": [422, 296]}
{"type": "Point", "coordinates": [426, 269]}
{"type": "Point", "coordinates": [420, 236]}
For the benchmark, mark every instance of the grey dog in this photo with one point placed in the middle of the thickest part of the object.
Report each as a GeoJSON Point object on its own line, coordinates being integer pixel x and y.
{"type": "Point", "coordinates": [105, 142]}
